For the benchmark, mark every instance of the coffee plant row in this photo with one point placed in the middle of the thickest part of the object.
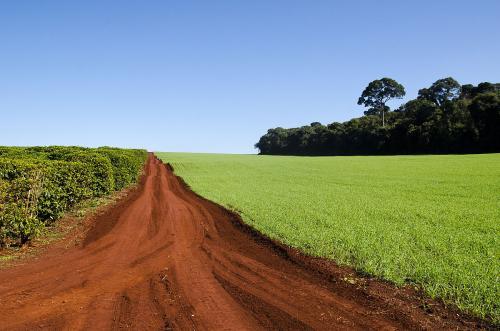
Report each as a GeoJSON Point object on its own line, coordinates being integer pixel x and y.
{"type": "Point", "coordinates": [38, 184]}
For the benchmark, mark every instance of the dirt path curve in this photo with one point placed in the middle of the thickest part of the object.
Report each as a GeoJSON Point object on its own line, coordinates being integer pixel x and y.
{"type": "Point", "coordinates": [167, 259]}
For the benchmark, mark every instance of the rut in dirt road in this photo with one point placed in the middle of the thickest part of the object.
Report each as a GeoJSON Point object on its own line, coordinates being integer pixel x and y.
{"type": "Point", "coordinates": [167, 259]}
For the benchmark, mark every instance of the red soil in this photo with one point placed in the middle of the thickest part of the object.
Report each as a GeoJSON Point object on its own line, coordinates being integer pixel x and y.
{"type": "Point", "coordinates": [165, 258]}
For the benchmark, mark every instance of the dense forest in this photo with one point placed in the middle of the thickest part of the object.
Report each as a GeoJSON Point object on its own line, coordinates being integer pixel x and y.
{"type": "Point", "coordinates": [445, 118]}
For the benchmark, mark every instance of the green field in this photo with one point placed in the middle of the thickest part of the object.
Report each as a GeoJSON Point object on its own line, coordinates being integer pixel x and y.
{"type": "Point", "coordinates": [427, 220]}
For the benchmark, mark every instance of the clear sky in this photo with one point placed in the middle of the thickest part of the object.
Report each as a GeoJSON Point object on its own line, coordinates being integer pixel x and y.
{"type": "Point", "coordinates": [213, 76]}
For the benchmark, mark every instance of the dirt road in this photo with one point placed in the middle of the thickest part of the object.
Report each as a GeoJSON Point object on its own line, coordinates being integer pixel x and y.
{"type": "Point", "coordinates": [167, 259]}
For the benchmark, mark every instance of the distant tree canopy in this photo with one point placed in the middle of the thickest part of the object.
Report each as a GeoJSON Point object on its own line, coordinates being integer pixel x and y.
{"type": "Point", "coordinates": [445, 118]}
{"type": "Point", "coordinates": [441, 91]}
{"type": "Point", "coordinates": [377, 93]}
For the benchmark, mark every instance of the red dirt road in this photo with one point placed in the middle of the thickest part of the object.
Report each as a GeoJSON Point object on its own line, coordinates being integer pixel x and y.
{"type": "Point", "coordinates": [165, 259]}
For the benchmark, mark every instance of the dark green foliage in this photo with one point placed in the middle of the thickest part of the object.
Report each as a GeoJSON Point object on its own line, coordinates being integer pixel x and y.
{"type": "Point", "coordinates": [485, 112]}
{"type": "Point", "coordinates": [445, 118]}
{"type": "Point", "coordinates": [469, 91]}
{"type": "Point", "coordinates": [441, 91]}
{"type": "Point", "coordinates": [377, 93]}
{"type": "Point", "coordinates": [38, 184]}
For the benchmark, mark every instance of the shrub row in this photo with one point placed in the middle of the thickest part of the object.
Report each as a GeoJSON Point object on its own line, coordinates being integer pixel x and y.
{"type": "Point", "coordinates": [38, 184]}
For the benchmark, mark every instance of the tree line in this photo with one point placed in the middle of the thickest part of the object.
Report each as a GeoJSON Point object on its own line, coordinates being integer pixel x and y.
{"type": "Point", "coordinates": [444, 118]}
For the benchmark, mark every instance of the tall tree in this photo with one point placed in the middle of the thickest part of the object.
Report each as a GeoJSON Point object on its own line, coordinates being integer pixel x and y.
{"type": "Point", "coordinates": [441, 91]}
{"type": "Point", "coordinates": [377, 93]}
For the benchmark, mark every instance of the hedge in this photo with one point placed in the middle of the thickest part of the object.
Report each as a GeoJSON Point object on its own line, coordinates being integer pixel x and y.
{"type": "Point", "coordinates": [38, 184]}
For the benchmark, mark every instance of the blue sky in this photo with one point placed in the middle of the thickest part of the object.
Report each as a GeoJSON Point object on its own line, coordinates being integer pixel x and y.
{"type": "Point", "coordinates": [213, 76]}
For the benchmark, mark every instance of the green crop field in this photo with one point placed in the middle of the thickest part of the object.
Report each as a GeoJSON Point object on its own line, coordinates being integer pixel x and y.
{"type": "Point", "coordinates": [427, 220]}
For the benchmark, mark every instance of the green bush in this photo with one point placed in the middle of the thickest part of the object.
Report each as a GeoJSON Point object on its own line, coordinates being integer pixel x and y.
{"type": "Point", "coordinates": [38, 184]}
{"type": "Point", "coordinates": [101, 168]}
{"type": "Point", "coordinates": [65, 184]}
{"type": "Point", "coordinates": [20, 189]}
{"type": "Point", "coordinates": [126, 165]}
